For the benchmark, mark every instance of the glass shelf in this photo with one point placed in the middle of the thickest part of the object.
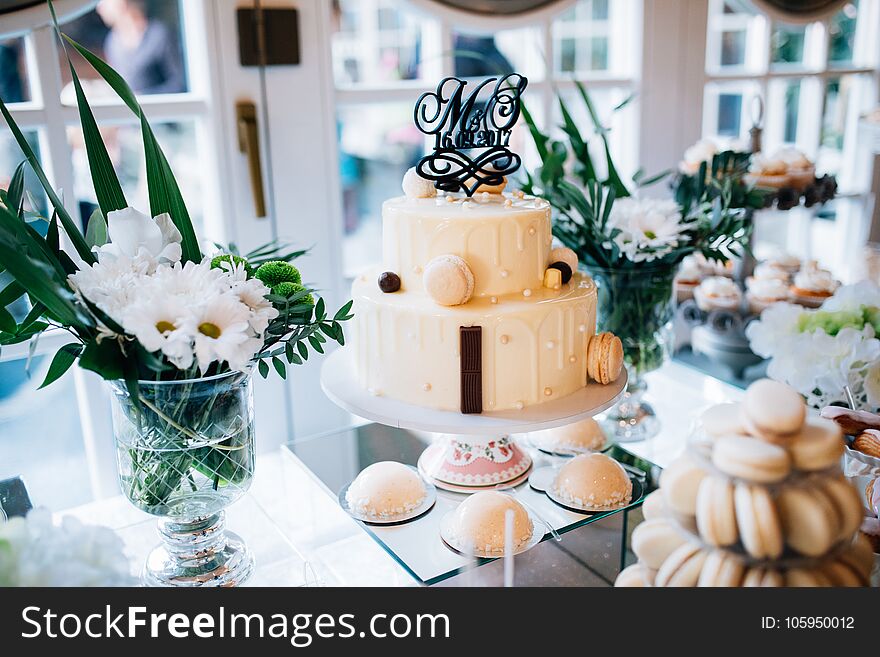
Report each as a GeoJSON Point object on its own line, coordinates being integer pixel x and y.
{"type": "Point", "coordinates": [336, 458]}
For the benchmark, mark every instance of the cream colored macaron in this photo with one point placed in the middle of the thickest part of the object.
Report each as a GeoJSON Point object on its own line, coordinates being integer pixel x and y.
{"type": "Point", "coordinates": [566, 255]}
{"type": "Point", "coordinates": [679, 484]}
{"type": "Point", "coordinates": [841, 574]}
{"type": "Point", "coordinates": [654, 506]}
{"type": "Point", "coordinates": [449, 280]}
{"type": "Point", "coordinates": [631, 577]}
{"type": "Point", "coordinates": [860, 556]}
{"type": "Point", "coordinates": [751, 459]}
{"type": "Point", "coordinates": [806, 577]}
{"type": "Point", "coordinates": [847, 504]}
{"type": "Point", "coordinates": [414, 186]}
{"type": "Point", "coordinates": [758, 522]}
{"type": "Point", "coordinates": [818, 445]}
{"type": "Point", "coordinates": [721, 569]}
{"type": "Point", "coordinates": [808, 520]}
{"type": "Point", "coordinates": [772, 409]}
{"type": "Point", "coordinates": [722, 420]}
{"type": "Point", "coordinates": [762, 577]}
{"type": "Point", "coordinates": [716, 516]}
{"type": "Point", "coordinates": [682, 567]}
{"type": "Point", "coordinates": [654, 540]}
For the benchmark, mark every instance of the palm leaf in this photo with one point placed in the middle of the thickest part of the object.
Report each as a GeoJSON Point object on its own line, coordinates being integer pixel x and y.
{"type": "Point", "coordinates": [579, 145]}
{"type": "Point", "coordinates": [67, 221]}
{"type": "Point", "coordinates": [614, 179]}
{"type": "Point", "coordinates": [15, 192]}
{"type": "Point", "coordinates": [164, 192]}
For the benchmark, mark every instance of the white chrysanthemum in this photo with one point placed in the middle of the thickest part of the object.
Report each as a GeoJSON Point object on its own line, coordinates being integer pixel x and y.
{"type": "Point", "coordinates": [36, 552]}
{"type": "Point", "coordinates": [872, 384]}
{"type": "Point", "coordinates": [191, 282]}
{"type": "Point", "coordinates": [853, 297]}
{"type": "Point", "coordinates": [649, 228]}
{"type": "Point", "coordinates": [132, 233]}
{"type": "Point", "coordinates": [112, 284]}
{"type": "Point", "coordinates": [252, 292]}
{"type": "Point", "coordinates": [159, 322]}
{"type": "Point", "coordinates": [221, 331]}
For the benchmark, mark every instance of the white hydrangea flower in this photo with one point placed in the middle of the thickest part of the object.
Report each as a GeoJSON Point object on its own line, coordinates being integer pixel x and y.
{"type": "Point", "coordinates": [778, 323]}
{"type": "Point", "coordinates": [649, 228]}
{"type": "Point", "coordinates": [872, 384]}
{"type": "Point", "coordinates": [853, 297]}
{"type": "Point", "coordinates": [34, 551]}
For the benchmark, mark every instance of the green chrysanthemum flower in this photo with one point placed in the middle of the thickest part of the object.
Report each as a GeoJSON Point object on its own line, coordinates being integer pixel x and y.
{"type": "Point", "coordinates": [287, 289]}
{"type": "Point", "coordinates": [274, 272]}
{"type": "Point", "coordinates": [217, 262]}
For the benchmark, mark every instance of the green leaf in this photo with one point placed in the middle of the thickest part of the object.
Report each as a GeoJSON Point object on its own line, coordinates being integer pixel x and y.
{"type": "Point", "coordinates": [613, 176]}
{"type": "Point", "coordinates": [303, 350]}
{"type": "Point", "coordinates": [64, 358]}
{"type": "Point", "coordinates": [70, 226]}
{"type": "Point", "coordinates": [263, 367]}
{"type": "Point", "coordinates": [15, 192]}
{"type": "Point", "coordinates": [163, 190]}
{"type": "Point", "coordinates": [538, 137]}
{"type": "Point", "coordinates": [52, 237]}
{"type": "Point", "coordinates": [96, 230]}
{"type": "Point", "coordinates": [10, 293]}
{"type": "Point", "coordinates": [104, 358]}
{"type": "Point", "coordinates": [342, 313]}
{"type": "Point", "coordinates": [29, 266]}
{"type": "Point", "coordinates": [107, 188]}
{"type": "Point", "coordinates": [7, 321]}
{"type": "Point", "coordinates": [279, 366]}
{"type": "Point", "coordinates": [316, 344]}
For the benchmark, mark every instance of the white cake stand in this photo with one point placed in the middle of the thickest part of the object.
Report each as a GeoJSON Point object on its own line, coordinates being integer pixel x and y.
{"type": "Point", "coordinates": [476, 451]}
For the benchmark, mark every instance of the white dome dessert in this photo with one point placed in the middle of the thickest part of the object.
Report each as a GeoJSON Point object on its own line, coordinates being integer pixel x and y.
{"type": "Point", "coordinates": [593, 481]}
{"type": "Point", "coordinates": [478, 523]}
{"type": "Point", "coordinates": [385, 490]}
{"type": "Point", "coordinates": [583, 435]}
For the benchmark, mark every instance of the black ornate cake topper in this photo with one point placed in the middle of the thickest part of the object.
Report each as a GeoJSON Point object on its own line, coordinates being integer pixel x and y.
{"type": "Point", "coordinates": [471, 138]}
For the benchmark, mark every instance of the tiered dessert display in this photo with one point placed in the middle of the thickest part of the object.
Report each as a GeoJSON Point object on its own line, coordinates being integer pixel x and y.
{"type": "Point", "coordinates": [474, 325]}
{"type": "Point", "coordinates": [758, 499]}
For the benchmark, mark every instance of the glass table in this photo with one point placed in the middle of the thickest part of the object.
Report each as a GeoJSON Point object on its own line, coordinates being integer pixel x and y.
{"type": "Point", "coordinates": [300, 535]}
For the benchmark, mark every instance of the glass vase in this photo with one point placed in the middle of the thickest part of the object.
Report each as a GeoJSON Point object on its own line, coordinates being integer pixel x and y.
{"type": "Point", "coordinates": [636, 305]}
{"type": "Point", "coordinates": [184, 454]}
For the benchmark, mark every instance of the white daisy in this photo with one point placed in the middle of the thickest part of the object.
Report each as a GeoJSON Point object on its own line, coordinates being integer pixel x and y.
{"type": "Point", "coordinates": [649, 228]}
{"type": "Point", "coordinates": [159, 322]}
{"type": "Point", "coordinates": [220, 329]}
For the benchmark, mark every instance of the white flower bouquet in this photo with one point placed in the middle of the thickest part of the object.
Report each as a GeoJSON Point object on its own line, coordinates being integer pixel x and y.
{"type": "Point", "coordinates": [34, 551]}
{"type": "Point", "coordinates": [820, 352]}
{"type": "Point", "coordinates": [175, 331]}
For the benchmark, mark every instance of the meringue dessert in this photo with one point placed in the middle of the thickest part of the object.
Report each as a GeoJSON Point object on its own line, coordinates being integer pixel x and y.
{"type": "Point", "coordinates": [584, 435]}
{"type": "Point", "coordinates": [593, 481]}
{"type": "Point", "coordinates": [385, 490]}
{"type": "Point", "coordinates": [478, 523]}
{"type": "Point", "coordinates": [813, 285]}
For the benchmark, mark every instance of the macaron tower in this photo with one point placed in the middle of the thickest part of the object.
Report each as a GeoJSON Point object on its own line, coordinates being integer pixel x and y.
{"type": "Point", "coordinates": [757, 499]}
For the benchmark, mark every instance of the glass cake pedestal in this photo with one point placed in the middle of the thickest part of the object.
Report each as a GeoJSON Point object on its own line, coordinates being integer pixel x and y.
{"type": "Point", "coordinates": [474, 451]}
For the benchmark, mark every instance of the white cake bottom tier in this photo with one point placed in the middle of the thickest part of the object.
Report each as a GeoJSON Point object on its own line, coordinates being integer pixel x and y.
{"type": "Point", "coordinates": [533, 348]}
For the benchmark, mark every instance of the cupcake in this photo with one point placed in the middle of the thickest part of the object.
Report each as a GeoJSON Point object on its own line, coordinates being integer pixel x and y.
{"type": "Point", "coordinates": [718, 293]}
{"type": "Point", "coordinates": [787, 261]}
{"type": "Point", "coordinates": [770, 173]}
{"type": "Point", "coordinates": [769, 271]}
{"type": "Point", "coordinates": [764, 292]}
{"type": "Point", "coordinates": [812, 286]}
{"type": "Point", "coordinates": [385, 490]}
{"type": "Point", "coordinates": [801, 171]}
{"type": "Point", "coordinates": [714, 267]}
{"type": "Point", "coordinates": [688, 277]}
{"type": "Point", "coordinates": [593, 481]}
{"type": "Point", "coordinates": [585, 435]}
{"type": "Point", "coordinates": [478, 523]}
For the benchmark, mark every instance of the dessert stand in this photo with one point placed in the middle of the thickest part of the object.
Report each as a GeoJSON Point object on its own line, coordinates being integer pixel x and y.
{"type": "Point", "coordinates": [475, 451]}
{"type": "Point", "coordinates": [417, 545]}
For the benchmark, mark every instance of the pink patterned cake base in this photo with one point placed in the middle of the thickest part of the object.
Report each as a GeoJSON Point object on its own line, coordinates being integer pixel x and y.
{"type": "Point", "coordinates": [474, 461]}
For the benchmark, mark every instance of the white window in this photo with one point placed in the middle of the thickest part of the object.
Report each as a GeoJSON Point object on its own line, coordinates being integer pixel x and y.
{"type": "Point", "coordinates": [385, 52]}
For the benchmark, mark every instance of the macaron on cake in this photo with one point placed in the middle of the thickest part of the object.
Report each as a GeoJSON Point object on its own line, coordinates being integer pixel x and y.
{"type": "Point", "coordinates": [385, 490]}
{"type": "Point", "coordinates": [583, 436]}
{"type": "Point", "coordinates": [592, 482]}
{"type": "Point", "coordinates": [478, 524]}
{"type": "Point", "coordinates": [604, 358]}
{"type": "Point", "coordinates": [757, 499]}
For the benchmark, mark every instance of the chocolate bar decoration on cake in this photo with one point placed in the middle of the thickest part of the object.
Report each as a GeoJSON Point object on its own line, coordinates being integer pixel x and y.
{"type": "Point", "coordinates": [471, 365]}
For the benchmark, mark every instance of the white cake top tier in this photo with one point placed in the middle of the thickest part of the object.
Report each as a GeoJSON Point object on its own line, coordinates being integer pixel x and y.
{"type": "Point", "coordinates": [504, 238]}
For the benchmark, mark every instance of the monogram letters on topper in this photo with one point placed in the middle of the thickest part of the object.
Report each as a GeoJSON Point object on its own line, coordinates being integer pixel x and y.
{"type": "Point", "coordinates": [471, 137]}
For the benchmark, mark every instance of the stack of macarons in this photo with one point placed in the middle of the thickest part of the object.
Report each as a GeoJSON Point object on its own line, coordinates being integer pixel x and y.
{"type": "Point", "coordinates": [757, 500]}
